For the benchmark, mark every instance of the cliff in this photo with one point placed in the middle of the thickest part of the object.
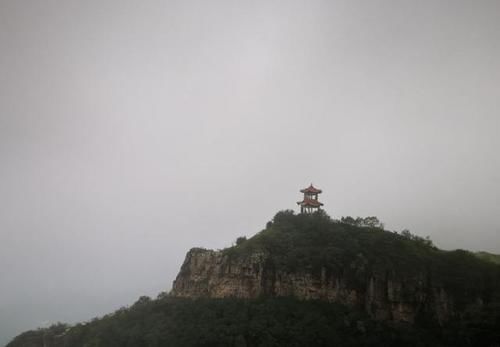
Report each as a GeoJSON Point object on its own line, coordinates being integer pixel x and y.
{"type": "Point", "coordinates": [206, 273]}
{"type": "Point", "coordinates": [389, 276]}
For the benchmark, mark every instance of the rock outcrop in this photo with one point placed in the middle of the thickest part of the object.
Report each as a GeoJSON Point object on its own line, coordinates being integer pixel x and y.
{"type": "Point", "coordinates": [214, 274]}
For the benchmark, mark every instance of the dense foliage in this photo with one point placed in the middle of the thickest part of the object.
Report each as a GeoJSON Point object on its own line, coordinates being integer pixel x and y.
{"type": "Point", "coordinates": [363, 222]}
{"type": "Point", "coordinates": [312, 243]}
{"type": "Point", "coordinates": [493, 258]}
{"type": "Point", "coordinates": [264, 322]}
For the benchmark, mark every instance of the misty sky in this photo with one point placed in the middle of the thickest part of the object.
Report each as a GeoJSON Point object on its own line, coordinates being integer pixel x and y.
{"type": "Point", "coordinates": [131, 131]}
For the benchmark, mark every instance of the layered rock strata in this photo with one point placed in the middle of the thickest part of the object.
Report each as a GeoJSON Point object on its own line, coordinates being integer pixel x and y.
{"type": "Point", "coordinates": [214, 274]}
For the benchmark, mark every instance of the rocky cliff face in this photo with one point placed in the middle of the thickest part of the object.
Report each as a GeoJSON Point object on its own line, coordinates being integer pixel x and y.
{"type": "Point", "coordinates": [384, 296]}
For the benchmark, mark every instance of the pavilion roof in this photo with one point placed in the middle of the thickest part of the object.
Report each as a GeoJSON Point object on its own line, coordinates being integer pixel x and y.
{"type": "Point", "coordinates": [311, 189]}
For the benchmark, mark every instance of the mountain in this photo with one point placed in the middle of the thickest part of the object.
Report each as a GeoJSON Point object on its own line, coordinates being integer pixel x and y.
{"type": "Point", "coordinates": [308, 280]}
{"type": "Point", "coordinates": [394, 277]}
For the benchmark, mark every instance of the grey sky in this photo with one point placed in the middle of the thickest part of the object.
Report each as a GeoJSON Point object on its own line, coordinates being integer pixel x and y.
{"type": "Point", "coordinates": [131, 131]}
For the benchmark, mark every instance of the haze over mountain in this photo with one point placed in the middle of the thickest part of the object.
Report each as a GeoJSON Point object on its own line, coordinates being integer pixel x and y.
{"type": "Point", "coordinates": [130, 132]}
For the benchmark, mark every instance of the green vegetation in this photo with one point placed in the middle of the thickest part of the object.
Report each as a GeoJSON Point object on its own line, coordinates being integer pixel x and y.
{"type": "Point", "coordinates": [312, 242]}
{"type": "Point", "coordinates": [170, 321]}
{"type": "Point", "coordinates": [493, 258]}
{"type": "Point", "coordinates": [240, 240]}
{"type": "Point", "coordinates": [372, 222]}
{"type": "Point", "coordinates": [352, 248]}
{"type": "Point", "coordinates": [286, 322]}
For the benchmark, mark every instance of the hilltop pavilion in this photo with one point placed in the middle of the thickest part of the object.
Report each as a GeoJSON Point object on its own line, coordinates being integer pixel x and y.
{"type": "Point", "coordinates": [310, 203]}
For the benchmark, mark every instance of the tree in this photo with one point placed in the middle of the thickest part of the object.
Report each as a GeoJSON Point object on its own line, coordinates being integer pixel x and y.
{"type": "Point", "coordinates": [370, 222]}
{"type": "Point", "coordinates": [240, 240]}
{"type": "Point", "coordinates": [425, 241]}
{"type": "Point", "coordinates": [348, 220]}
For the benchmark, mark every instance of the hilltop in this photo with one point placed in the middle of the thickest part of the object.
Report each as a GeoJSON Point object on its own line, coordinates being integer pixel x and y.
{"type": "Point", "coordinates": [391, 276]}
{"type": "Point", "coordinates": [308, 280]}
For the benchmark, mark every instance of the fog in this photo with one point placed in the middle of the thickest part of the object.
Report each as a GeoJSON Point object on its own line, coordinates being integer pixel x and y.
{"type": "Point", "coordinates": [131, 131]}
